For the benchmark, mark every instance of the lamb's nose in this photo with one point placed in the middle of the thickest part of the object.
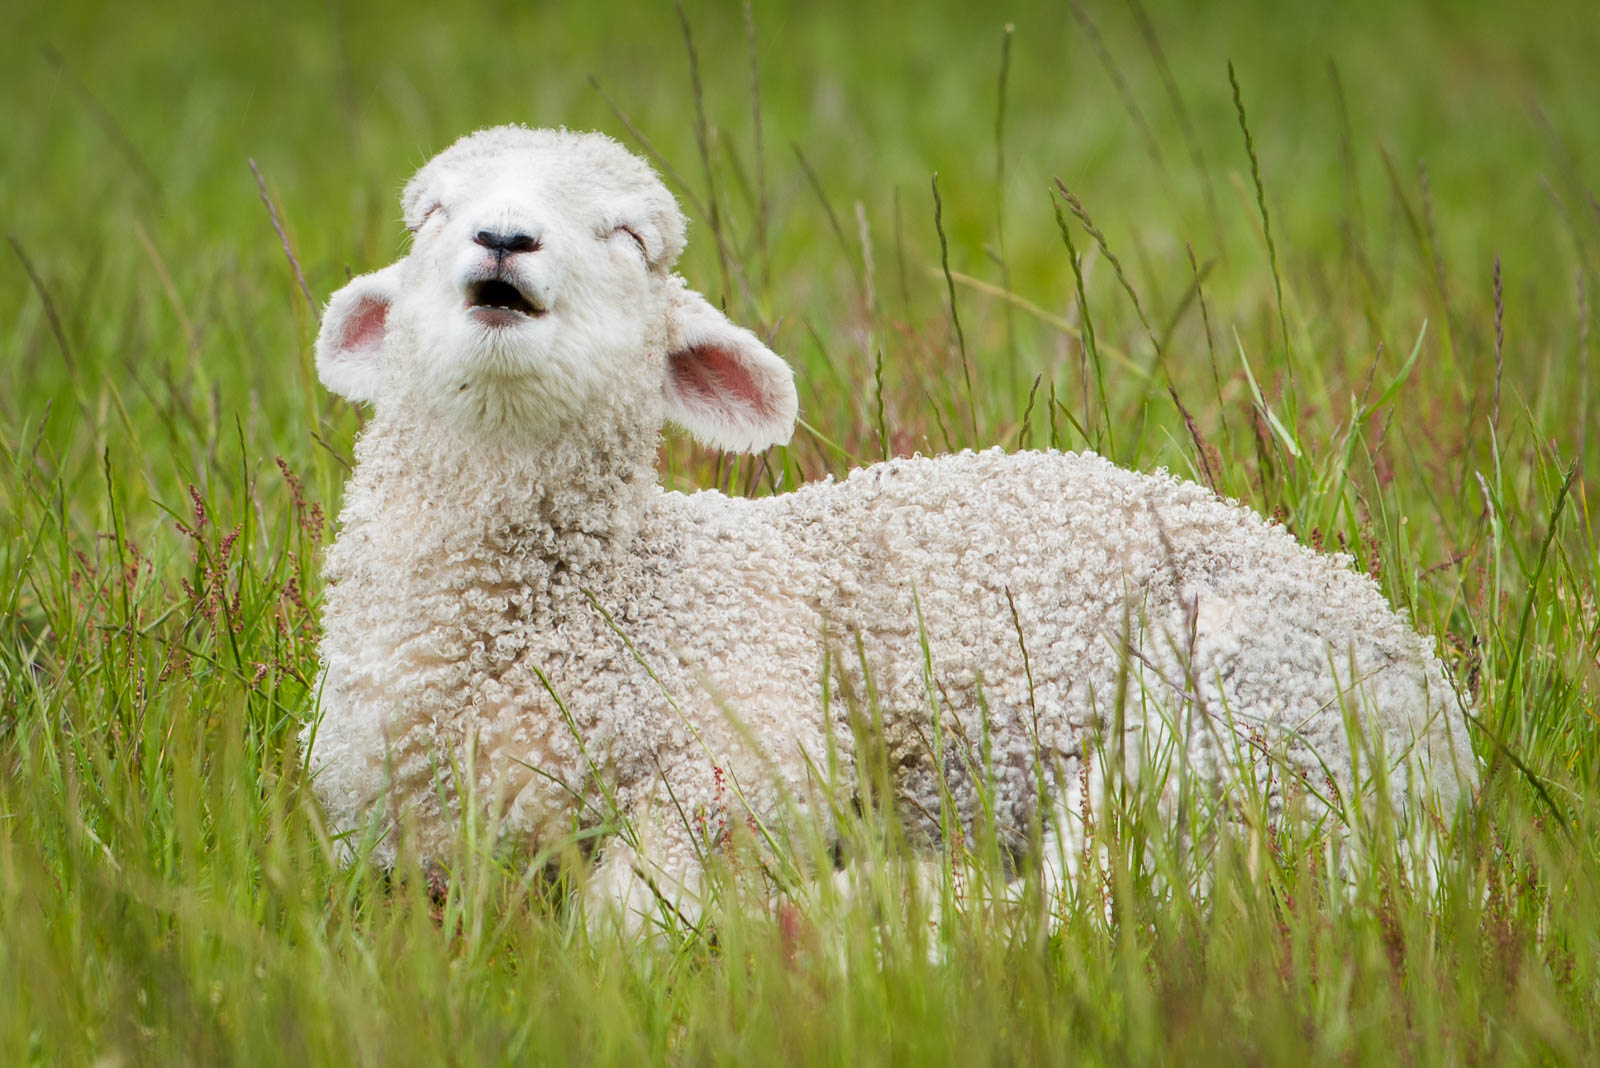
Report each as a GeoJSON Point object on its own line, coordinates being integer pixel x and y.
{"type": "Point", "coordinates": [506, 242]}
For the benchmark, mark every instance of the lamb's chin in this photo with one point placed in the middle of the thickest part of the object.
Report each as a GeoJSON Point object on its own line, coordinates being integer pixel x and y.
{"type": "Point", "coordinates": [503, 406]}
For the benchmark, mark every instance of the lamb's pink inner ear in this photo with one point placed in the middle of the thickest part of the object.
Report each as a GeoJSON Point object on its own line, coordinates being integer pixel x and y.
{"type": "Point", "coordinates": [364, 325]}
{"type": "Point", "coordinates": [711, 375]}
{"type": "Point", "coordinates": [350, 342]}
{"type": "Point", "coordinates": [722, 384]}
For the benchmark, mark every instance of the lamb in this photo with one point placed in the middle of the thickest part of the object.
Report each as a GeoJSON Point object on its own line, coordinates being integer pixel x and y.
{"type": "Point", "coordinates": [521, 624]}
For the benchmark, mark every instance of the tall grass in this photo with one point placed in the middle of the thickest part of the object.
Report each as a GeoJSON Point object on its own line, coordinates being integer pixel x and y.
{"type": "Point", "coordinates": [1400, 372]}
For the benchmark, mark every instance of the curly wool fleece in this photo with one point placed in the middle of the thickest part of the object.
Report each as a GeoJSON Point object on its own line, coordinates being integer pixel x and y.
{"type": "Point", "coordinates": [528, 623]}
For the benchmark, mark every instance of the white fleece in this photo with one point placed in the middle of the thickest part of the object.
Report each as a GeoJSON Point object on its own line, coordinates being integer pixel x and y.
{"type": "Point", "coordinates": [514, 603]}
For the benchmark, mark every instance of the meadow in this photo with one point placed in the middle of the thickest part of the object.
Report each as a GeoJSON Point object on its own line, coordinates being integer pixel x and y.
{"type": "Point", "coordinates": [1340, 262]}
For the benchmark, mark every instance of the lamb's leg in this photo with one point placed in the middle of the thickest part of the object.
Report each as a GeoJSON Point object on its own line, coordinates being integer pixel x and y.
{"type": "Point", "coordinates": [649, 884]}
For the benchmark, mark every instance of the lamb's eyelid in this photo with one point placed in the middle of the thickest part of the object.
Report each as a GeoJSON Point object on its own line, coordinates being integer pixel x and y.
{"type": "Point", "coordinates": [435, 207]}
{"type": "Point", "coordinates": [632, 231]}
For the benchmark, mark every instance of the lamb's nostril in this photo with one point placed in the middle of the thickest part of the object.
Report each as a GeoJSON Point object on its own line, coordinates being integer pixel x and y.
{"type": "Point", "coordinates": [506, 242]}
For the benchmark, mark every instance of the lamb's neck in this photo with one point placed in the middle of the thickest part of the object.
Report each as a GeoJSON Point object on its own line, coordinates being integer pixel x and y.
{"type": "Point", "coordinates": [565, 507]}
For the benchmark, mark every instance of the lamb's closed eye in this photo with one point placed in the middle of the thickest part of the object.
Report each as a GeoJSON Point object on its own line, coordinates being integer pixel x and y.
{"type": "Point", "coordinates": [514, 595]}
{"type": "Point", "coordinates": [433, 210]}
{"type": "Point", "coordinates": [630, 232]}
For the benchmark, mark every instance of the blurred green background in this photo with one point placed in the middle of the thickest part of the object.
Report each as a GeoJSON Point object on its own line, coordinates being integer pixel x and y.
{"type": "Point", "coordinates": [128, 130]}
{"type": "Point", "coordinates": [166, 892]}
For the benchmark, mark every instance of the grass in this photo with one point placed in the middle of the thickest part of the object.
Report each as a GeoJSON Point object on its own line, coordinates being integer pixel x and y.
{"type": "Point", "coordinates": [1405, 371]}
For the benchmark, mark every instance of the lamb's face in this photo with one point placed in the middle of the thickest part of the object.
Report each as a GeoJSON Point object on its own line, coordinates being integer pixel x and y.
{"type": "Point", "coordinates": [539, 286]}
{"type": "Point", "coordinates": [536, 273]}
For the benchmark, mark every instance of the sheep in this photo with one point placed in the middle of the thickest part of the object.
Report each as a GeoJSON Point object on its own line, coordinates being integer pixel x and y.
{"type": "Point", "coordinates": [521, 624]}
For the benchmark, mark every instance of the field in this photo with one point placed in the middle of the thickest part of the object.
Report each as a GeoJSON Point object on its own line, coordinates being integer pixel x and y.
{"type": "Point", "coordinates": [1342, 262]}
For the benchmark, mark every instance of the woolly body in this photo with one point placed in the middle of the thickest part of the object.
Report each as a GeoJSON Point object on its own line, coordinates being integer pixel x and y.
{"type": "Point", "coordinates": [516, 608]}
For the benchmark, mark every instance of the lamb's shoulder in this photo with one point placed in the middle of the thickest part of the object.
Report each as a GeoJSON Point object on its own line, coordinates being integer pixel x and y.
{"type": "Point", "coordinates": [733, 595]}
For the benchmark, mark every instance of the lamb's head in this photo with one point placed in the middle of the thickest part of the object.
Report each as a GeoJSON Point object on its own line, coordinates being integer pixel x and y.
{"type": "Point", "coordinates": [538, 292]}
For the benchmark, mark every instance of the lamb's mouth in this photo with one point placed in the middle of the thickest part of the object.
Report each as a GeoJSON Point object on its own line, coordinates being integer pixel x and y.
{"type": "Point", "coordinates": [496, 302]}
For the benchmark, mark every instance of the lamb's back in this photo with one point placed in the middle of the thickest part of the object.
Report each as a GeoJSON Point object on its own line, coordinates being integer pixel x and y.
{"type": "Point", "coordinates": [1028, 590]}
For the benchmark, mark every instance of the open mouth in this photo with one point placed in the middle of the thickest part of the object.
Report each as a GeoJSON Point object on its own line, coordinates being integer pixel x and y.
{"type": "Point", "coordinates": [499, 302]}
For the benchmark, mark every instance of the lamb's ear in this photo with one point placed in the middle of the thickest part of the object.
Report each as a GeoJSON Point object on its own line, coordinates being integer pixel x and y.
{"type": "Point", "coordinates": [350, 343]}
{"type": "Point", "coordinates": [723, 385]}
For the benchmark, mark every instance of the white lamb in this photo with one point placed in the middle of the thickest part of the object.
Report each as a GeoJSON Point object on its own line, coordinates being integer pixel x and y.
{"type": "Point", "coordinates": [519, 617]}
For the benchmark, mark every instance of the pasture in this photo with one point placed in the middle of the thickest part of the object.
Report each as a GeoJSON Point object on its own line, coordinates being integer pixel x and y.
{"type": "Point", "coordinates": [1339, 262]}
